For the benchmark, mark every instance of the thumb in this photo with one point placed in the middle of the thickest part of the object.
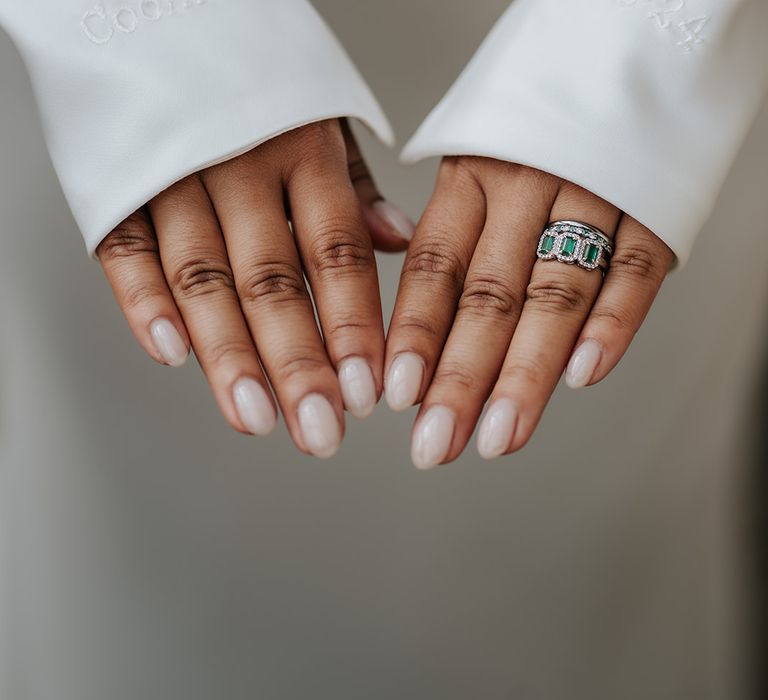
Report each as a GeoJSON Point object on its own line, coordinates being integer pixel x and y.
{"type": "Point", "coordinates": [391, 229]}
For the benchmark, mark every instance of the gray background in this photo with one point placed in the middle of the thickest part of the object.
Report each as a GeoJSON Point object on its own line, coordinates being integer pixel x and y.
{"type": "Point", "coordinates": [149, 552]}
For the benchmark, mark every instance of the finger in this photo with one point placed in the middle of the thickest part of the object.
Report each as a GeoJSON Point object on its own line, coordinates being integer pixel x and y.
{"type": "Point", "coordinates": [638, 269]}
{"type": "Point", "coordinates": [390, 227]}
{"type": "Point", "coordinates": [248, 198]}
{"type": "Point", "coordinates": [340, 265]}
{"type": "Point", "coordinates": [519, 202]}
{"type": "Point", "coordinates": [195, 264]}
{"type": "Point", "coordinates": [558, 300]}
{"type": "Point", "coordinates": [130, 260]}
{"type": "Point", "coordinates": [431, 282]}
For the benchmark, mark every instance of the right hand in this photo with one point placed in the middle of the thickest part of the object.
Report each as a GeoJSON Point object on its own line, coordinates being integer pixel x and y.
{"type": "Point", "coordinates": [218, 261]}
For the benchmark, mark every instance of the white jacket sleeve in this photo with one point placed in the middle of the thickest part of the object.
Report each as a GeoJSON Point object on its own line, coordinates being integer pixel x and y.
{"type": "Point", "coordinates": [643, 102]}
{"type": "Point", "coordinates": [137, 94]}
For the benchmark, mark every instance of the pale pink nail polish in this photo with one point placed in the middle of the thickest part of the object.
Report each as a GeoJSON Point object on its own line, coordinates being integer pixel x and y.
{"type": "Point", "coordinates": [358, 387]}
{"type": "Point", "coordinates": [583, 364]}
{"type": "Point", "coordinates": [395, 217]}
{"type": "Point", "coordinates": [404, 379]}
{"type": "Point", "coordinates": [169, 344]}
{"type": "Point", "coordinates": [432, 437]}
{"type": "Point", "coordinates": [254, 407]}
{"type": "Point", "coordinates": [320, 427]}
{"type": "Point", "coordinates": [497, 429]}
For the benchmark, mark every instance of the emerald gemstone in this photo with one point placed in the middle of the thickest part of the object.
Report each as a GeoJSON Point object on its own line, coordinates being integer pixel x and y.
{"type": "Point", "coordinates": [546, 244]}
{"type": "Point", "coordinates": [568, 246]}
{"type": "Point", "coordinates": [591, 253]}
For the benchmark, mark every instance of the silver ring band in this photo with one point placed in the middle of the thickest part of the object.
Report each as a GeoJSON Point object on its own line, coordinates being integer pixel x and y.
{"type": "Point", "coordinates": [575, 243]}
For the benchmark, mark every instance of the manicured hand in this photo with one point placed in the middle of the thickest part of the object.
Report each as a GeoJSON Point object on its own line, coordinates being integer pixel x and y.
{"type": "Point", "coordinates": [479, 316]}
{"type": "Point", "coordinates": [219, 260]}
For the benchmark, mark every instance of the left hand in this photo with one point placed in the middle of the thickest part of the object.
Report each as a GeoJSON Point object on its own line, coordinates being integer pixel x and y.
{"type": "Point", "coordinates": [478, 316]}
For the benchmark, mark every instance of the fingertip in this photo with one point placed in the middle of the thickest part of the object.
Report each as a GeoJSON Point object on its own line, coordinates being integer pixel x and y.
{"type": "Point", "coordinates": [390, 228]}
{"type": "Point", "coordinates": [404, 380]}
{"type": "Point", "coordinates": [395, 218]}
{"type": "Point", "coordinates": [583, 364]}
{"type": "Point", "coordinates": [497, 429]}
{"type": "Point", "coordinates": [321, 430]}
{"type": "Point", "coordinates": [254, 407]}
{"type": "Point", "coordinates": [168, 342]}
{"type": "Point", "coordinates": [358, 387]}
{"type": "Point", "coordinates": [432, 438]}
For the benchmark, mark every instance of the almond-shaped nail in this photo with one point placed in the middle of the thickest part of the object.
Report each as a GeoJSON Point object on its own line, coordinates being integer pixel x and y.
{"type": "Point", "coordinates": [395, 217]}
{"type": "Point", "coordinates": [168, 342]}
{"type": "Point", "coordinates": [358, 387]}
{"type": "Point", "coordinates": [404, 379]}
{"type": "Point", "coordinates": [583, 364]}
{"type": "Point", "coordinates": [433, 436]}
{"type": "Point", "coordinates": [497, 429]}
{"type": "Point", "coordinates": [319, 425]}
{"type": "Point", "coordinates": [254, 407]}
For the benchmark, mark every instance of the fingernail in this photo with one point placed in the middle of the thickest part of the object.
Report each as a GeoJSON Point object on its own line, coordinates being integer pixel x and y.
{"type": "Point", "coordinates": [433, 436]}
{"type": "Point", "coordinates": [358, 388]}
{"type": "Point", "coordinates": [254, 407]}
{"type": "Point", "coordinates": [396, 218]}
{"type": "Point", "coordinates": [497, 429]}
{"type": "Point", "coordinates": [404, 380]}
{"type": "Point", "coordinates": [583, 364]}
{"type": "Point", "coordinates": [319, 426]}
{"type": "Point", "coordinates": [168, 342]}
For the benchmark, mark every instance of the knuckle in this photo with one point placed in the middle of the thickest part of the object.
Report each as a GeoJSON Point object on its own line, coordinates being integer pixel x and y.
{"type": "Point", "coordinates": [538, 180]}
{"type": "Point", "coordinates": [237, 175]}
{"type": "Point", "coordinates": [201, 276]}
{"type": "Point", "coordinates": [522, 371]}
{"type": "Point", "coordinates": [316, 144]}
{"type": "Point", "coordinates": [489, 294]}
{"type": "Point", "coordinates": [456, 375]}
{"type": "Point", "coordinates": [411, 323]}
{"type": "Point", "coordinates": [274, 282]}
{"type": "Point", "coordinates": [435, 259]}
{"type": "Point", "coordinates": [560, 295]}
{"type": "Point", "coordinates": [132, 237]}
{"type": "Point", "coordinates": [137, 295]}
{"type": "Point", "coordinates": [462, 169]}
{"type": "Point", "coordinates": [619, 317]}
{"type": "Point", "coordinates": [303, 362]}
{"type": "Point", "coordinates": [339, 245]}
{"type": "Point", "coordinates": [347, 326]}
{"type": "Point", "coordinates": [227, 350]}
{"type": "Point", "coordinates": [635, 261]}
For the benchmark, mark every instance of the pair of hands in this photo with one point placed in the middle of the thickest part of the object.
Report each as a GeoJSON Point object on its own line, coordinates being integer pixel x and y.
{"type": "Point", "coordinates": [221, 261]}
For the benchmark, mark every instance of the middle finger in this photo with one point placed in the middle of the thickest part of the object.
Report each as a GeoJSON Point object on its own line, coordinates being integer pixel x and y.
{"type": "Point", "coordinates": [270, 284]}
{"type": "Point", "coordinates": [519, 202]}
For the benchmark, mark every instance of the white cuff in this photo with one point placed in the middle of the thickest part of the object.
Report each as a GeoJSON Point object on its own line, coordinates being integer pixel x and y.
{"type": "Point", "coordinates": [137, 94]}
{"type": "Point", "coordinates": [642, 102]}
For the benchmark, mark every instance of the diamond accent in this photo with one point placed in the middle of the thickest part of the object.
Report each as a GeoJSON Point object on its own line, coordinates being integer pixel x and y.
{"type": "Point", "coordinates": [574, 243]}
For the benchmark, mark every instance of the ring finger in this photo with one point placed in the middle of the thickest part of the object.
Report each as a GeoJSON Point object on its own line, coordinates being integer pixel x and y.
{"type": "Point", "coordinates": [558, 301]}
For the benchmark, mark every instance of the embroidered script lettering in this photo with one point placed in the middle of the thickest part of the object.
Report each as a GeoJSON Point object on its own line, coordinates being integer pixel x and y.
{"type": "Point", "coordinates": [674, 17]}
{"type": "Point", "coordinates": [101, 25]}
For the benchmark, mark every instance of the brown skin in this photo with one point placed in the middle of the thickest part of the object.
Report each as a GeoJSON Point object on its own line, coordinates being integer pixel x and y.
{"type": "Point", "coordinates": [488, 318]}
{"type": "Point", "coordinates": [215, 255]}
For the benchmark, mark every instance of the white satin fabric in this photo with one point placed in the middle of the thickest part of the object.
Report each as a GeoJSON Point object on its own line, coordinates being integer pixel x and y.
{"type": "Point", "coordinates": [643, 102]}
{"type": "Point", "coordinates": [148, 551]}
{"type": "Point", "coordinates": [137, 94]}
